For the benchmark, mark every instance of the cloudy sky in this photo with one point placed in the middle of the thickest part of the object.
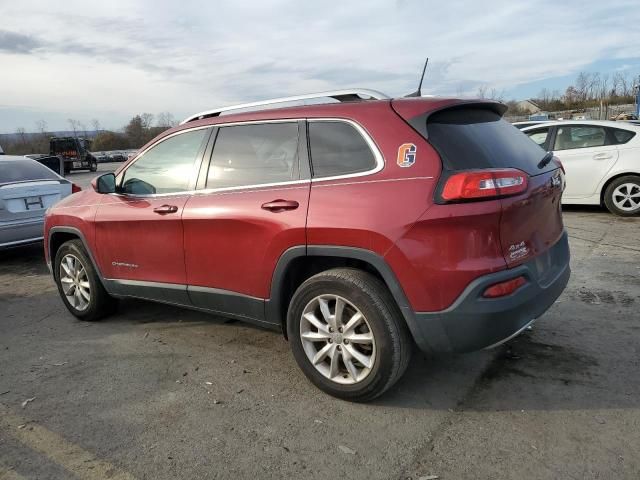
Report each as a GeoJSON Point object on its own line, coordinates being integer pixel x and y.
{"type": "Point", "coordinates": [112, 59]}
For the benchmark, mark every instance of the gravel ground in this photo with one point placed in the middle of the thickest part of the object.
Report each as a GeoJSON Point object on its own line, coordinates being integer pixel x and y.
{"type": "Point", "coordinates": [156, 392]}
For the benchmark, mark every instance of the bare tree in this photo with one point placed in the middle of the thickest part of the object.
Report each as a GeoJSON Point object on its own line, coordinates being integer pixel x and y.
{"type": "Point", "coordinates": [166, 120]}
{"type": "Point", "coordinates": [22, 134]}
{"type": "Point", "coordinates": [96, 125]}
{"type": "Point", "coordinates": [583, 82]}
{"type": "Point", "coordinates": [74, 126]}
{"type": "Point", "coordinates": [604, 86]}
{"type": "Point", "coordinates": [482, 91]}
{"type": "Point", "coordinates": [147, 120]}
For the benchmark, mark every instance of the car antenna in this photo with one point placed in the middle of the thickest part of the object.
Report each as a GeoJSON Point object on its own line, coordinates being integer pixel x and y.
{"type": "Point", "coordinates": [418, 92]}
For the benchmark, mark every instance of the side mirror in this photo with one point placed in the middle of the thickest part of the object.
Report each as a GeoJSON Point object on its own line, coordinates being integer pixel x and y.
{"type": "Point", "coordinates": [104, 183]}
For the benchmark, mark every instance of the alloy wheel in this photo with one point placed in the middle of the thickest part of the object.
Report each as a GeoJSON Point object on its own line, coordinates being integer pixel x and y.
{"type": "Point", "coordinates": [627, 197]}
{"type": "Point", "coordinates": [75, 282]}
{"type": "Point", "coordinates": [337, 339]}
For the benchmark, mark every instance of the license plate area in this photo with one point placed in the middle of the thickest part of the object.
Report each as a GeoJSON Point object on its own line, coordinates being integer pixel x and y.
{"type": "Point", "coordinates": [33, 203]}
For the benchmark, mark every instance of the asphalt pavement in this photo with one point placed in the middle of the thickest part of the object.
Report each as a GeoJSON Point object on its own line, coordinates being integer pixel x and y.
{"type": "Point", "coordinates": [156, 392]}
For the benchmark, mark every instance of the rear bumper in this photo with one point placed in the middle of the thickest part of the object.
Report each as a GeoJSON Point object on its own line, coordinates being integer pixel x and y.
{"type": "Point", "coordinates": [21, 233]}
{"type": "Point", "coordinates": [474, 322]}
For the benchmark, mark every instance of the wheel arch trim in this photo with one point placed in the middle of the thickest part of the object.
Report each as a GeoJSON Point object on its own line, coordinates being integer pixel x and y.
{"type": "Point", "coordinates": [613, 178]}
{"type": "Point", "coordinates": [81, 237]}
{"type": "Point", "coordinates": [275, 312]}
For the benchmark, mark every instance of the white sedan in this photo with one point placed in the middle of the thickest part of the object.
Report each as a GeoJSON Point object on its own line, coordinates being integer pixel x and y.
{"type": "Point", "coordinates": [601, 160]}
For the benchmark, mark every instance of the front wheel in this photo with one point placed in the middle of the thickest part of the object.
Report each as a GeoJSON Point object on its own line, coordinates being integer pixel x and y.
{"type": "Point", "coordinates": [347, 335]}
{"type": "Point", "coordinates": [78, 283]}
{"type": "Point", "coordinates": [622, 196]}
{"type": "Point", "coordinates": [93, 167]}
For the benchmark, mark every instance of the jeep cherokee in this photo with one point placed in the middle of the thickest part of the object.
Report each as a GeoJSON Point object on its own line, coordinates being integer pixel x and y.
{"type": "Point", "coordinates": [359, 227]}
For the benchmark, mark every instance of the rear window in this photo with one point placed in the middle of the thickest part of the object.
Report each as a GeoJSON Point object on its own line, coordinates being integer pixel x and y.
{"type": "Point", "coordinates": [468, 138]}
{"type": "Point", "coordinates": [337, 148]}
{"type": "Point", "coordinates": [15, 171]}
{"type": "Point", "coordinates": [622, 136]}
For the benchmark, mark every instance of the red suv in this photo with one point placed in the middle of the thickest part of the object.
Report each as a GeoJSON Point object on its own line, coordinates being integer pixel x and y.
{"type": "Point", "coordinates": [357, 227]}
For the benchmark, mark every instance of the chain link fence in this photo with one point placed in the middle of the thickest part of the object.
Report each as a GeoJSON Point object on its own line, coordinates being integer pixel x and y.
{"type": "Point", "coordinates": [603, 112]}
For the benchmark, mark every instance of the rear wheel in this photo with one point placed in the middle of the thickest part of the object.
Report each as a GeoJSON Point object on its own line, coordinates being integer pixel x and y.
{"type": "Point", "coordinates": [622, 196]}
{"type": "Point", "coordinates": [347, 335]}
{"type": "Point", "coordinates": [93, 167]}
{"type": "Point", "coordinates": [78, 283]}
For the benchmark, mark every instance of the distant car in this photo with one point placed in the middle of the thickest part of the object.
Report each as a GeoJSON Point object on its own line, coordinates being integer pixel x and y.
{"type": "Point", "coordinates": [581, 117]}
{"type": "Point", "coordinates": [530, 123]}
{"type": "Point", "coordinates": [27, 189]}
{"type": "Point", "coordinates": [601, 159]}
{"type": "Point", "coordinates": [118, 157]}
{"type": "Point", "coordinates": [625, 116]}
{"type": "Point", "coordinates": [541, 116]}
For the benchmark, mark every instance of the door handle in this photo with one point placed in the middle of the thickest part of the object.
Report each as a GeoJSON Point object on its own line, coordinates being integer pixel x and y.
{"type": "Point", "coordinates": [280, 205]}
{"type": "Point", "coordinates": [602, 156]}
{"type": "Point", "coordinates": [164, 209]}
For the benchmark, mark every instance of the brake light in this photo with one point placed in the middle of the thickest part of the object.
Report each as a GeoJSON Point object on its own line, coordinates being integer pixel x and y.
{"type": "Point", "coordinates": [560, 164]}
{"type": "Point", "coordinates": [75, 188]}
{"type": "Point", "coordinates": [478, 184]}
{"type": "Point", "coordinates": [504, 288]}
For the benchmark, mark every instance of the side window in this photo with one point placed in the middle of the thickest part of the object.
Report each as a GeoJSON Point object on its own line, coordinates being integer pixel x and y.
{"type": "Point", "coordinates": [539, 135]}
{"type": "Point", "coordinates": [337, 148]}
{"type": "Point", "coordinates": [620, 136]}
{"type": "Point", "coordinates": [254, 154]}
{"type": "Point", "coordinates": [166, 167]}
{"type": "Point", "coordinates": [580, 136]}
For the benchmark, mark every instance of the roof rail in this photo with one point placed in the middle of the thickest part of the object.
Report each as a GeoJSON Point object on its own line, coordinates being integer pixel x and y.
{"type": "Point", "coordinates": [348, 95]}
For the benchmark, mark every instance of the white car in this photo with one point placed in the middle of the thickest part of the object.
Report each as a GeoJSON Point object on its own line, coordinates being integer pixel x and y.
{"type": "Point", "coordinates": [601, 160]}
{"type": "Point", "coordinates": [529, 123]}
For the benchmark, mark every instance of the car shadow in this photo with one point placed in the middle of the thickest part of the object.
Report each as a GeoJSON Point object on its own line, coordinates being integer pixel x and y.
{"type": "Point", "coordinates": [527, 373]}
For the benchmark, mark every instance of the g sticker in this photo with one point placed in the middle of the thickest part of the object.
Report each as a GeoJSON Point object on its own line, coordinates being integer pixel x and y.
{"type": "Point", "coordinates": [407, 155]}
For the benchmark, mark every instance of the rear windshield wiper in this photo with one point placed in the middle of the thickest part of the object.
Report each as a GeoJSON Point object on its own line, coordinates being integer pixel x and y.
{"type": "Point", "coordinates": [545, 160]}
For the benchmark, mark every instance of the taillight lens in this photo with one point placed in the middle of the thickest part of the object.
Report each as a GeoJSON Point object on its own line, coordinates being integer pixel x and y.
{"type": "Point", "coordinates": [479, 184]}
{"type": "Point", "coordinates": [557, 160]}
{"type": "Point", "coordinates": [75, 188]}
{"type": "Point", "coordinates": [503, 289]}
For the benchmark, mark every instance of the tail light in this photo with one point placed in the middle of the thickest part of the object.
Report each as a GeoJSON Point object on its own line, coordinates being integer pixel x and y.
{"type": "Point", "coordinates": [484, 184]}
{"type": "Point", "coordinates": [560, 164]}
{"type": "Point", "coordinates": [503, 289]}
{"type": "Point", "coordinates": [75, 188]}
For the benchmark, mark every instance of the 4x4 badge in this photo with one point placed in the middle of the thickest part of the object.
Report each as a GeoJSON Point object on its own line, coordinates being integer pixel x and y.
{"type": "Point", "coordinates": [407, 155]}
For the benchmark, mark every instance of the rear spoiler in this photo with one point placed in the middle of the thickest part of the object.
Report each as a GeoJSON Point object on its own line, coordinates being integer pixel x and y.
{"type": "Point", "coordinates": [417, 111]}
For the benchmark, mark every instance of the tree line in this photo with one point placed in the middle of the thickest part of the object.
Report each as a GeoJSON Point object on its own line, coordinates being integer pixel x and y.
{"type": "Point", "coordinates": [589, 89]}
{"type": "Point", "coordinates": [140, 129]}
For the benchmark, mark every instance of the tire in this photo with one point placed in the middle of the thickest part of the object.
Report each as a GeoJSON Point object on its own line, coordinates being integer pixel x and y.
{"type": "Point", "coordinates": [616, 197]}
{"type": "Point", "coordinates": [387, 354]}
{"type": "Point", "coordinates": [99, 303]}
{"type": "Point", "coordinates": [93, 167]}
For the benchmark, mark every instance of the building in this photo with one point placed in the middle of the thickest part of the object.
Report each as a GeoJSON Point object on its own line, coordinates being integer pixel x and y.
{"type": "Point", "coordinates": [528, 106]}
